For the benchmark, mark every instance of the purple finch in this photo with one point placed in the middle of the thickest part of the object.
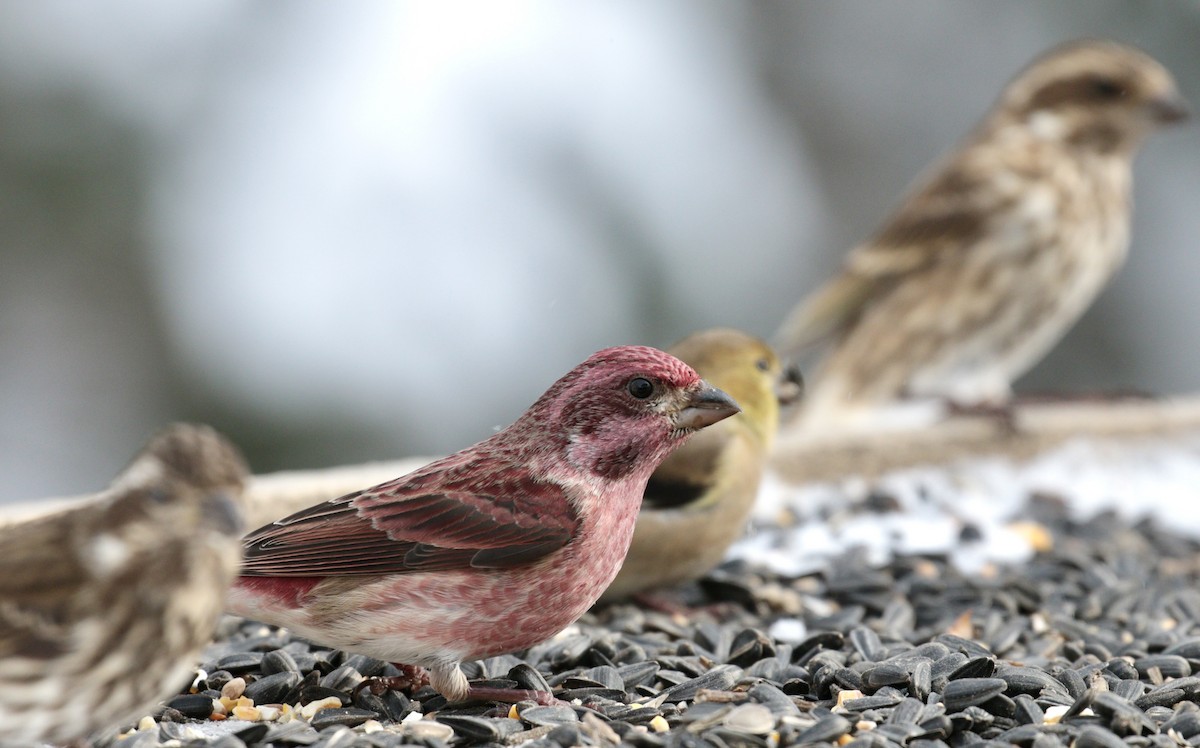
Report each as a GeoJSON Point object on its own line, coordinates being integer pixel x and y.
{"type": "Point", "coordinates": [999, 249]}
{"type": "Point", "coordinates": [104, 606]}
{"type": "Point", "coordinates": [494, 548]}
{"type": "Point", "coordinates": [697, 502]}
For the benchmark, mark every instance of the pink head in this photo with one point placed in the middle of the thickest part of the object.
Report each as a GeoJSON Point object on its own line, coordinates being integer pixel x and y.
{"type": "Point", "coordinates": [623, 410]}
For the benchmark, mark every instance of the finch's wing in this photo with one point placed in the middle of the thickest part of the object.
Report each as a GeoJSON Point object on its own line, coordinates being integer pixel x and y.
{"type": "Point", "coordinates": [688, 474]}
{"type": "Point", "coordinates": [499, 517]}
{"type": "Point", "coordinates": [948, 215]}
{"type": "Point", "coordinates": [41, 580]}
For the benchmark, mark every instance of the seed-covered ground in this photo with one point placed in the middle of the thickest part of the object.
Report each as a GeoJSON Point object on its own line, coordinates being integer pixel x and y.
{"type": "Point", "coordinates": [1091, 642]}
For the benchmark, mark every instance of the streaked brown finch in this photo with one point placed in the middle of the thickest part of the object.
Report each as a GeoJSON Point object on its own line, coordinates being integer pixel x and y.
{"type": "Point", "coordinates": [105, 605]}
{"type": "Point", "coordinates": [998, 250]}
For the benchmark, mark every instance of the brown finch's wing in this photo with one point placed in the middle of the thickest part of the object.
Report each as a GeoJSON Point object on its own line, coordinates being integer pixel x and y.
{"type": "Point", "coordinates": [61, 568]}
{"type": "Point", "coordinates": [507, 520]}
{"type": "Point", "coordinates": [947, 215]}
{"type": "Point", "coordinates": [40, 578]}
{"type": "Point", "coordinates": [828, 310]}
{"type": "Point", "coordinates": [40, 562]}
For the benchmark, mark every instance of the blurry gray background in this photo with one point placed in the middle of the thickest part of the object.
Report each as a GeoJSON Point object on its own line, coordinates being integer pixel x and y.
{"type": "Point", "coordinates": [361, 230]}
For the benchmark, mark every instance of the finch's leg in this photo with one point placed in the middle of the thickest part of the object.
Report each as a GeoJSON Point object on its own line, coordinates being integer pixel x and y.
{"type": "Point", "coordinates": [411, 677]}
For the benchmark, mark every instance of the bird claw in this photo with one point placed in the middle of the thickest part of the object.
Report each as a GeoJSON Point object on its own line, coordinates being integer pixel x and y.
{"type": "Point", "coordinates": [411, 678]}
{"type": "Point", "coordinates": [1004, 415]}
{"type": "Point", "coordinates": [513, 696]}
{"type": "Point", "coordinates": [414, 677]}
{"type": "Point", "coordinates": [669, 602]}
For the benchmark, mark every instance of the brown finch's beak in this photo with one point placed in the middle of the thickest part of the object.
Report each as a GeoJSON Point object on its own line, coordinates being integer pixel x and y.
{"type": "Point", "coordinates": [705, 406]}
{"type": "Point", "coordinates": [1169, 108]}
{"type": "Point", "coordinates": [224, 514]}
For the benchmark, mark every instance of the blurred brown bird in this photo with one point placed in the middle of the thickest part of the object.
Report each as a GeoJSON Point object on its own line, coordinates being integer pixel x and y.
{"type": "Point", "coordinates": [104, 607]}
{"type": "Point", "coordinates": [698, 501]}
{"type": "Point", "coordinates": [999, 250]}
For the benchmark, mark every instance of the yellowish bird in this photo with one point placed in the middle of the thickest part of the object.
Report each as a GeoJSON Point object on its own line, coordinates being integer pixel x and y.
{"type": "Point", "coordinates": [697, 502]}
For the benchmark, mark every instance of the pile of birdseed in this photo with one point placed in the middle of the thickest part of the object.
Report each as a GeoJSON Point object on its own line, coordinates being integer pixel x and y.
{"type": "Point", "coordinates": [971, 510]}
{"type": "Point", "coordinates": [1091, 642]}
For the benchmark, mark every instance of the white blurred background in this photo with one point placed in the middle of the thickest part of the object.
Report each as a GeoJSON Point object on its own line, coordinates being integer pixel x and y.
{"type": "Point", "coordinates": [361, 230]}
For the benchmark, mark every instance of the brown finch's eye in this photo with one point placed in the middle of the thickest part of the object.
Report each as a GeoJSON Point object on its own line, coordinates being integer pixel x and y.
{"type": "Point", "coordinates": [640, 387]}
{"type": "Point", "coordinates": [1107, 88]}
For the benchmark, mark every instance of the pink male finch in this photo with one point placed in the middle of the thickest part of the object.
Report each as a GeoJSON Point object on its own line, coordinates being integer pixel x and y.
{"type": "Point", "coordinates": [105, 606]}
{"type": "Point", "coordinates": [999, 250]}
{"type": "Point", "coordinates": [492, 549]}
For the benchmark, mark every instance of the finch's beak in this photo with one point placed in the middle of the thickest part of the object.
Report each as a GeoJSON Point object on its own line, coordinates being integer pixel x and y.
{"type": "Point", "coordinates": [1169, 108]}
{"type": "Point", "coordinates": [790, 387]}
{"type": "Point", "coordinates": [705, 406]}
{"type": "Point", "coordinates": [223, 514]}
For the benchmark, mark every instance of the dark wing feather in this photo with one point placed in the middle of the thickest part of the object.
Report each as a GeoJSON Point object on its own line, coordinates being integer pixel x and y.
{"type": "Point", "coordinates": [690, 471]}
{"type": "Point", "coordinates": [499, 517]}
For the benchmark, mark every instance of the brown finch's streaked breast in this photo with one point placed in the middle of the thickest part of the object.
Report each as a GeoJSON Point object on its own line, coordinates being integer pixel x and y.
{"type": "Point", "coordinates": [985, 266]}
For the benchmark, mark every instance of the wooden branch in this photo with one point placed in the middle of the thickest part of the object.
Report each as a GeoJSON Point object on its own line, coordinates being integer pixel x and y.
{"type": "Point", "coordinates": [798, 459]}
{"type": "Point", "coordinates": [1039, 427]}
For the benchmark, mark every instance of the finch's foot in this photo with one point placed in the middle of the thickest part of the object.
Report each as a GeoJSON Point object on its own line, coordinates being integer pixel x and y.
{"type": "Point", "coordinates": [1003, 414]}
{"type": "Point", "coordinates": [449, 681]}
{"type": "Point", "coordinates": [411, 678]}
{"type": "Point", "coordinates": [1092, 396]}
{"type": "Point", "coordinates": [670, 602]}
{"type": "Point", "coordinates": [512, 695]}
{"type": "Point", "coordinates": [657, 600]}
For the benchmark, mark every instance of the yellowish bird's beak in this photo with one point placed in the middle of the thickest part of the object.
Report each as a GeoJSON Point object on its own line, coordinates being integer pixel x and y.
{"type": "Point", "coordinates": [790, 387]}
{"type": "Point", "coordinates": [1170, 108]}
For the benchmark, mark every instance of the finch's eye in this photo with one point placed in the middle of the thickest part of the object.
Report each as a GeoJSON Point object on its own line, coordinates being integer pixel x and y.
{"type": "Point", "coordinates": [762, 364]}
{"type": "Point", "coordinates": [1107, 88]}
{"type": "Point", "coordinates": [640, 387]}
